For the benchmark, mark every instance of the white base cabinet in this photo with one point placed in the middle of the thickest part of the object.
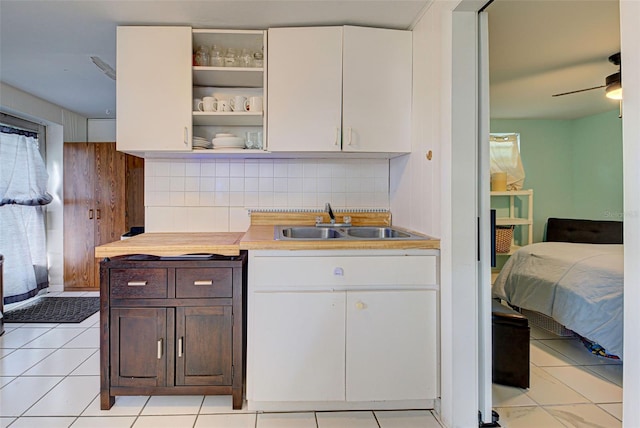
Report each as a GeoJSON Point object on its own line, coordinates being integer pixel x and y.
{"type": "Point", "coordinates": [338, 330]}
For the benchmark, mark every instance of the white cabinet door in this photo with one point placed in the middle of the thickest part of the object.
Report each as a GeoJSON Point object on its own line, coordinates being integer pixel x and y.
{"type": "Point", "coordinates": [297, 346]}
{"type": "Point", "coordinates": [153, 88]}
{"type": "Point", "coordinates": [390, 345]}
{"type": "Point", "coordinates": [305, 89]}
{"type": "Point", "coordinates": [376, 104]}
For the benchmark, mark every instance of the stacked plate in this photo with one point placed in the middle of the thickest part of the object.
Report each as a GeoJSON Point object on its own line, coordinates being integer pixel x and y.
{"type": "Point", "coordinates": [201, 143]}
{"type": "Point", "coordinates": [227, 141]}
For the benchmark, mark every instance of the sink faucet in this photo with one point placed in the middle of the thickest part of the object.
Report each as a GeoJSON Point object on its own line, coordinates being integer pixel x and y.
{"type": "Point", "coordinates": [328, 209]}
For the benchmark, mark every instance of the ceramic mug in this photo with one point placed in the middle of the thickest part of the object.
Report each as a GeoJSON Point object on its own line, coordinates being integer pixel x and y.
{"type": "Point", "coordinates": [223, 105]}
{"type": "Point", "coordinates": [196, 104]}
{"type": "Point", "coordinates": [255, 104]}
{"type": "Point", "coordinates": [238, 103]}
{"type": "Point", "coordinates": [207, 104]}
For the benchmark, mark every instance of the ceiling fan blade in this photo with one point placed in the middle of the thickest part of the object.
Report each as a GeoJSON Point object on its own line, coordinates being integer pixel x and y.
{"type": "Point", "coordinates": [579, 90]}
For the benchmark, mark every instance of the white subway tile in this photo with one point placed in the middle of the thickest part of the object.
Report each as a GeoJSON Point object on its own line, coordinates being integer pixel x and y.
{"type": "Point", "coordinates": [236, 184]}
{"type": "Point", "coordinates": [192, 169]}
{"type": "Point", "coordinates": [280, 168]}
{"type": "Point", "coordinates": [222, 168]}
{"type": "Point", "coordinates": [381, 184]}
{"type": "Point", "coordinates": [221, 199]}
{"type": "Point", "coordinates": [252, 199]}
{"type": "Point", "coordinates": [339, 169]}
{"type": "Point", "coordinates": [192, 184]}
{"type": "Point", "coordinates": [208, 169]}
{"type": "Point", "coordinates": [177, 169]}
{"type": "Point", "coordinates": [207, 184]}
{"type": "Point", "coordinates": [294, 185]}
{"type": "Point", "coordinates": [266, 184]}
{"type": "Point", "coordinates": [309, 185]}
{"type": "Point", "coordinates": [338, 185]}
{"type": "Point", "coordinates": [207, 199]}
{"type": "Point", "coordinates": [236, 199]}
{"type": "Point", "coordinates": [251, 184]}
{"type": "Point", "coordinates": [280, 199]}
{"type": "Point", "coordinates": [309, 169]}
{"type": "Point", "coordinates": [222, 184]}
{"type": "Point", "coordinates": [266, 199]}
{"type": "Point", "coordinates": [280, 184]}
{"type": "Point", "coordinates": [325, 168]}
{"type": "Point", "coordinates": [162, 184]}
{"type": "Point", "coordinates": [266, 168]}
{"type": "Point", "coordinates": [294, 199]}
{"type": "Point", "coordinates": [252, 168]}
{"type": "Point", "coordinates": [177, 184]}
{"type": "Point", "coordinates": [309, 200]}
{"type": "Point", "coordinates": [339, 200]}
{"type": "Point", "coordinates": [236, 169]}
{"type": "Point", "coordinates": [176, 199]}
{"type": "Point", "coordinates": [295, 168]}
{"type": "Point", "coordinates": [192, 199]}
{"type": "Point", "coordinates": [324, 185]}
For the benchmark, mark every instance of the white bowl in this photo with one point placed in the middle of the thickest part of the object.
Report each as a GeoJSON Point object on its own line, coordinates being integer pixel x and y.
{"type": "Point", "coordinates": [228, 142]}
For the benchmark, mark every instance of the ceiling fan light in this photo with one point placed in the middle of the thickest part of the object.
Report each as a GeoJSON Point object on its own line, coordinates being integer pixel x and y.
{"type": "Point", "coordinates": [614, 88]}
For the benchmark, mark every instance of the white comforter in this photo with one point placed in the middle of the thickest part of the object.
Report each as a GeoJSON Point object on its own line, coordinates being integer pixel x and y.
{"type": "Point", "coordinates": [578, 285]}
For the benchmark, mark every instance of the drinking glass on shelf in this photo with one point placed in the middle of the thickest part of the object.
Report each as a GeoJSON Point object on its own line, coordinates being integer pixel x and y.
{"type": "Point", "coordinates": [230, 58]}
{"type": "Point", "coordinates": [216, 60]}
{"type": "Point", "coordinates": [245, 59]}
{"type": "Point", "coordinates": [202, 56]}
{"type": "Point", "coordinates": [258, 59]}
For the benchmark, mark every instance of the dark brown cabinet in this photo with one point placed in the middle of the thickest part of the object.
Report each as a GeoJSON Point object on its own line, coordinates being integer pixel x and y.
{"type": "Point", "coordinates": [103, 198]}
{"type": "Point", "coordinates": [172, 326]}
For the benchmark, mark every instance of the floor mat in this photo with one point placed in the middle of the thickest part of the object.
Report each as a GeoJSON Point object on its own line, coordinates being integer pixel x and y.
{"type": "Point", "coordinates": [54, 310]}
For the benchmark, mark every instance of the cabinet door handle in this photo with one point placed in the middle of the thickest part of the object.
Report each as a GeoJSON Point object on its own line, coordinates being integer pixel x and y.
{"type": "Point", "coordinates": [203, 282]}
{"type": "Point", "coordinates": [90, 214]}
{"type": "Point", "coordinates": [136, 283]}
{"type": "Point", "coordinates": [186, 136]}
{"type": "Point", "coordinates": [349, 131]}
{"type": "Point", "coordinates": [180, 347]}
{"type": "Point", "coordinates": [97, 214]}
{"type": "Point", "coordinates": [159, 349]}
{"type": "Point", "coordinates": [360, 306]}
{"type": "Point", "coordinates": [337, 136]}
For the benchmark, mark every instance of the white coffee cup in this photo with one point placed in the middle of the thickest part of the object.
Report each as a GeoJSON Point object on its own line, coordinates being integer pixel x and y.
{"type": "Point", "coordinates": [238, 103]}
{"type": "Point", "coordinates": [207, 104]}
{"type": "Point", "coordinates": [223, 105]}
{"type": "Point", "coordinates": [196, 104]}
{"type": "Point", "coordinates": [255, 104]}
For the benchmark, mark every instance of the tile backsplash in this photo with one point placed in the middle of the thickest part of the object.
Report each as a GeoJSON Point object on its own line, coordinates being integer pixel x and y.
{"type": "Point", "coordinates": [213, 195]}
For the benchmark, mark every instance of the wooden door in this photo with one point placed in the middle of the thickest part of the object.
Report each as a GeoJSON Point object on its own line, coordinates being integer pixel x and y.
{"type": "Point", "coordinates": [139, 347]}
{"type": "Point", "coordinates": [204, 345]}
{"type": "Point", "coordinates": [134, 192]}
{"type": "Point", "coordinates": [376, 103]}
{"type": "Point", "coordinates": [305, 89]}
{"type": "Point", "coordinates": [79, 215]}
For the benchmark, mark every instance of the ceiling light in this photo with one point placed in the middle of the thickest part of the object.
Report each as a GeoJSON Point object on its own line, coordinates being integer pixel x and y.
{"type": "Point", "coordinates": [106, 68]}
{"type": "Point", "coordinates": [614, 88]}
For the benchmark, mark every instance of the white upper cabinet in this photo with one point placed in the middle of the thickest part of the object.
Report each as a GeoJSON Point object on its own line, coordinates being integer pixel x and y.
{"type": "Point", "coordinates": [376, 90]}
{"type": "Point", "coordinates": [153, 90]}
{"type": "Point", "coordinates": [305, 89]}
{"type": "Point", "coordinates": [339, 88]}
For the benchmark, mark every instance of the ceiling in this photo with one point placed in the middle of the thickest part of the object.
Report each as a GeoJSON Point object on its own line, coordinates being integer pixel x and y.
{"type": "Point", "coordinates": [537, 48]}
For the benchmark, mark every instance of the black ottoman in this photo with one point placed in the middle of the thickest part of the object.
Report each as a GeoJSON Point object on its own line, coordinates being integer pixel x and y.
{"type": "Point", "coordinates": [510, 337]}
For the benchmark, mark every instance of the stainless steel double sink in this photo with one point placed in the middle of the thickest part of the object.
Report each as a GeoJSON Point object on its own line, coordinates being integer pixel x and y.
{"type": "Point", "coordinates": [311, 233]}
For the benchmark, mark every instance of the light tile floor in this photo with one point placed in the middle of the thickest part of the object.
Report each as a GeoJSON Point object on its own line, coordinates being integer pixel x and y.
{"type": "Point", "coordinates": [49, 378]}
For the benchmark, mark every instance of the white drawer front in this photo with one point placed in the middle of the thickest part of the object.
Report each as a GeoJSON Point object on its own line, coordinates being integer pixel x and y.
{"type": "Point", "coordinates": [342, 271]}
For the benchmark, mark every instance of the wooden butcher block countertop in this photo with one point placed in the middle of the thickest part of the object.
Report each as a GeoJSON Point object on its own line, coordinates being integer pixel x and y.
{"type": "Point", "coordinates": [174, 244]}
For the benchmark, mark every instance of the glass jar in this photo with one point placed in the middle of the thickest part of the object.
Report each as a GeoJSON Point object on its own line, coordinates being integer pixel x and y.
{"type": "Point", "coordinates": [202, 56]}
{"type": "Point", "coordinates": [230, 58]}
{"type": "Point", "coordinates": [216, 60]}
{"type": "Point", "coordinates": [245, 59]}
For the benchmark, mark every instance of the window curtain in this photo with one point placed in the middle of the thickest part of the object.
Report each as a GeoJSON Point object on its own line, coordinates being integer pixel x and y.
{"type": "Point", "coordinates": [23, 197]}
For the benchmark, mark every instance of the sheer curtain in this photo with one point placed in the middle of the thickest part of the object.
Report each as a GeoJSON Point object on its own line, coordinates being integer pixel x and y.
{"type": "Point", "coordinates": [23, 196]}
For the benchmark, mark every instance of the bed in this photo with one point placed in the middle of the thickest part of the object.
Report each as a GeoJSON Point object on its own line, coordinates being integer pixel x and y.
{"type": "Point", "coordinates": [575, 277]}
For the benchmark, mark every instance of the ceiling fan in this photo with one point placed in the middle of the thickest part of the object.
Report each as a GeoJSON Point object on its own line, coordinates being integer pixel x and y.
{"type": "Point", "coordinates": [613, 82]}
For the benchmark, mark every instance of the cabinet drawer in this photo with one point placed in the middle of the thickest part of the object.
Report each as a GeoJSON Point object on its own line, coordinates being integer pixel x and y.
{"type": "Point", "coordinates": [204, 282]}
{"type": "Point", "coordinates": [346, 271]}
{"type": "Point", "coordinates": [138, 283]}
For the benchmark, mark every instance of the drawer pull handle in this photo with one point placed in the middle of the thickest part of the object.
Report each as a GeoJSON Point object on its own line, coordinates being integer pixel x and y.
{"type": "Point", "coordinates": [180, 347]}
{"type": "Point", "coordinates": [137, 283]}
{"type": "Point", "coordinates": [159, 349]}
{"type": "Point", "coordinates": [338, 271]}
{"type": "Point", "coordinates": [203, 282]}
{"type": "Point", "coordinates": [360, 306]}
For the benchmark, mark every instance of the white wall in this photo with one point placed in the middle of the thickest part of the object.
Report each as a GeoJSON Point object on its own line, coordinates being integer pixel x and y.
{"type": "Point", "coordinates": [62, 126]}
{"type": "Point", "coordinates": [202, 195]}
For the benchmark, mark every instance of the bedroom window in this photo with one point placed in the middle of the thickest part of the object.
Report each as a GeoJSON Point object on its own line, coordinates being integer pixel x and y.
{"type": "Point", "coordinates": [505, 157]}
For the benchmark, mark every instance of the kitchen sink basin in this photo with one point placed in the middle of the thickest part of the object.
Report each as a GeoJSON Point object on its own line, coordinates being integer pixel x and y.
{"type": "Point", "coordinates": [343, 233]}
{"type": "Point", "coordinates": [376, 233]}
{"type": "Point", "coordinates": [310, 233]}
